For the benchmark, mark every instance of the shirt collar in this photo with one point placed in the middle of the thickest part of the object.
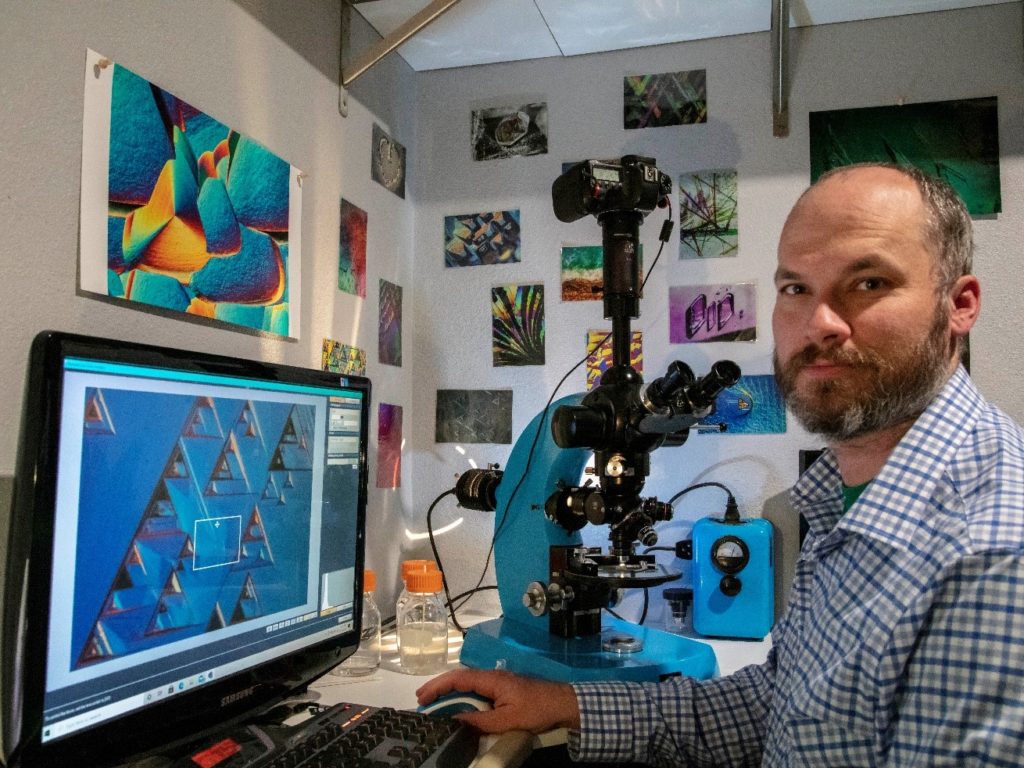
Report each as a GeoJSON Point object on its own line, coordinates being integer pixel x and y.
{"type": "Point", "coordinates": [891, 507]}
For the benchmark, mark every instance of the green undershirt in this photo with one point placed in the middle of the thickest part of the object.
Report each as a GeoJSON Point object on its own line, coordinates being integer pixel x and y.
{"type": "Point", "coordinates": [851, 493]}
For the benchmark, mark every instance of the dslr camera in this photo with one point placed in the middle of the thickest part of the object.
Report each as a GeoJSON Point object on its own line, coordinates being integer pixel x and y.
{"type": "Point", "coordinates": [632, 183]}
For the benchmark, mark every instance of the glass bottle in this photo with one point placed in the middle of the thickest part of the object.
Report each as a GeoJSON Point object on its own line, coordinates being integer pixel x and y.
{"type": "Point", "coordinates": [409, 566]}
{"type": "Point", "coordinates": [366, 659]}
{"type": "Point", "coordinates": [423, 626]}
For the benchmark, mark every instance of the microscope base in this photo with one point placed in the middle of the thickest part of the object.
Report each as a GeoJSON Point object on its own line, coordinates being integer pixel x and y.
{"type": "Point", "coordinates": [532, 650]}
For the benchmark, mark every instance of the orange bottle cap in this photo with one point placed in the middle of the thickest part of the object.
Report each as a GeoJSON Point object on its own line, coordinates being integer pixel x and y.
{"type": "Point", "coordinates": [410, 566]}
{"type": "Point", "coordinates": [425, 581]}
{"type": "Point", "coordinates": [369, 580]}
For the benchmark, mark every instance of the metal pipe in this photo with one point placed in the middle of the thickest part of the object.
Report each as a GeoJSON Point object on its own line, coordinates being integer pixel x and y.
{"type": "Point", "coordinates": [780, 66]}
{"type": "Point", "coordinates": [433, 11]}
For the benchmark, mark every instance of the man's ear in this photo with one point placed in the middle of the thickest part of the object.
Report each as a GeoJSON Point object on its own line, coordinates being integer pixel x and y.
{"type": "Point", "coordinates": [965, 305]}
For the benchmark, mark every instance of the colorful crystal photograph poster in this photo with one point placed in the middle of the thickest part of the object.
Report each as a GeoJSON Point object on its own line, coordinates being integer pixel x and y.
{"type": "Point", "coordinates": [599, 354]}
{"type": "Point", "coordinates": [389, 446]}
{"type": "Point", "coordinates": [958, 141]}
{"type": "Point", "coordinates": [700, 313]}
{"type": "Point", "coordinates": [352, 250]}
{"type": "Point", "coordinates": [387, 162]}
{"type": "Point", "coordinates": [708, 215]}
{"type": "Point", "coordinates": [473, 416]}
{"type": "Point", "coordinates": [582, 272]}
{"type": "Point", "coordinates": [183, 213]}
{"type": "Point", "coordinates": [752, 406]}
{"type": "Point", "coordinates": [501, 132]}
{"type": "Point", "coordinates": [474, 239]}
{"type": "Point", "coordinates": [389, 324]}
{"type": "Point", "coordinates": [517, 325]}
{"type": "Point", "coordinates": [342, 358]}
{"type": "Point", "coordinates": [671, 98]}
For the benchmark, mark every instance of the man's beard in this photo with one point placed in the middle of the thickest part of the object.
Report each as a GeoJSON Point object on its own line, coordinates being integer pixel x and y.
{"type": "Point", "coordinates": [899, 384]}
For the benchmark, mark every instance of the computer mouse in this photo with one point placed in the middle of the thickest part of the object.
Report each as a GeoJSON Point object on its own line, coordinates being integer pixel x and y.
{"type": "Point", "coordinates": [455, 702]}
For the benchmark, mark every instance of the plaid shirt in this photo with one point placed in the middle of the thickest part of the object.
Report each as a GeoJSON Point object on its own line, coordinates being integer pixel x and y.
{"type": "Point", "coordinates": [903, 641]}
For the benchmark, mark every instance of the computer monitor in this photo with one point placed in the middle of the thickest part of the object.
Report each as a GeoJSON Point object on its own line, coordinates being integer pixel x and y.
{"type": "Point", "coordinates": [185, 549]}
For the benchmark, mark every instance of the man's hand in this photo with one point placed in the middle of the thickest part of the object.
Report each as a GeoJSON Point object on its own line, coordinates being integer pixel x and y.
{"type": "Point", "coordinates": [520, 703]}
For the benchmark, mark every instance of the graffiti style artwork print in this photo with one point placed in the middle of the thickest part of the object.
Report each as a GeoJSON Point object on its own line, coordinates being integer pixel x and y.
{"type": "Point", "coordinates": [183, 213]}
{"type": "Point", "coordinates": [708, 215]}
{"type": "Point", "coordinates": [517, 325]}
{"type": "Point", "coordinates": [209, 540]}
{"type": "Point", "coordinates": [352, 250]}
{"type": "Point", "coordinates": [481, 238]}
{"type": "Point", "coordinates": [671, 98]}
{"type": "Point", "coordinates": [700, 313]}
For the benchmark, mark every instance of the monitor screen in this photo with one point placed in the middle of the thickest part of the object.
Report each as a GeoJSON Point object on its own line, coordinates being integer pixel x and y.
{"type": "Point", "coordinates": [186, 535]}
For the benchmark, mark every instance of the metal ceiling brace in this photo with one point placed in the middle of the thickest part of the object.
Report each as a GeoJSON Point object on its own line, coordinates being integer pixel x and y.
{"type": "Point", "coordinates": [347, 74]}
{"type": "Point", "coordinates": [780, 68]}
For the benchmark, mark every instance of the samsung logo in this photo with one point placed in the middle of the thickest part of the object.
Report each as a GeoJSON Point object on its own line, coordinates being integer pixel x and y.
{"type": "Point", "coordinates": [238, 696]}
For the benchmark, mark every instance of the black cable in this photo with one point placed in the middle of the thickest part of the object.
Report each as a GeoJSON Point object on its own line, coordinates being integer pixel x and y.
{"type": "Point", "coordinates": [437, 557]}
{"type": "Point", "coordinates": [659, 549]}
{"type": "Point", "coordinates": [469, 593]}
{"type": "Point", "coordinates": [647, 602]}
{"type": "Point", "coordinates": [730, 504]}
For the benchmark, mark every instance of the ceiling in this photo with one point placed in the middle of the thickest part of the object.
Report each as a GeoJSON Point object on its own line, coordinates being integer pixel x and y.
{"type": "Point", "coordinates": [489, 31]}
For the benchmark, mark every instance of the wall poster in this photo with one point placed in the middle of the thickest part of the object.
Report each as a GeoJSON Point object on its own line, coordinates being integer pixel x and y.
{"type": "Point", "coordinates": [183, 213]}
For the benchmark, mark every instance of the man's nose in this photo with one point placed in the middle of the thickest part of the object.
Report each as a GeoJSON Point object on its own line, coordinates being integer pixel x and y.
{"type": "Point", "coordinates": [827, 326]}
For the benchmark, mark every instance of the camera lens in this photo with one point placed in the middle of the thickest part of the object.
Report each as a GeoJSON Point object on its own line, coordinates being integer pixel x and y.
{"type": "Point", "coordinates": [577, 426]}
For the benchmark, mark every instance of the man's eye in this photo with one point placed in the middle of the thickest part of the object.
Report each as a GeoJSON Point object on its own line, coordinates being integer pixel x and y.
{"type": "Point", "coordinates": [791, 289]}
{"type": "Point", "coordinates": [870, 284]}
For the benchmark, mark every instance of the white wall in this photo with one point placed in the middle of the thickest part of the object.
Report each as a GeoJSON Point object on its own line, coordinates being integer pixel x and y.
{"type": "Point", "coordinates": [267, 69]}
{"type": "Point", "coordinates": [938, 56]}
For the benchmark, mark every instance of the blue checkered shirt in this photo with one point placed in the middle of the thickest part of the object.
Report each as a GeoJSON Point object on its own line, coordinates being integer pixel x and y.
{"type": "Point", "coordinates": [903, 641]}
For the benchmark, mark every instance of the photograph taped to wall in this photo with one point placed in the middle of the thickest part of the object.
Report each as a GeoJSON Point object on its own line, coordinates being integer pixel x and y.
{"type": "Point", "coordinates": [517, 325]}
{"type": "Point", "coordinates": [501, 132]}
{"type": "Point", "coordinates": [752, 406]}
{"type": "Point", "coordinates": [670, 98]}
{"type": "Point", "coordinates": [599, 355]}
{"type": "Point", "coordinates": [342, 358]}
{"type": "Point", "coordinates": [182, 213]}
{"type": "Point", "coordinates": [583, 272]}
{"type": "Point", "coordinates": [389, 445]}
{"type": "Point", "coordinates": [389, 324]}
{"type": "Point", "coordinates": [699, 313]}
{"type": "Point", "coordinates": [957, 141]}
{"type": "Point", "coordinates": [473, 416]}
{"type": "Point", "coordinates": [474, 239]}
{"type": "Point", "coordinates": [352, 250]}
{"type": "Point", "coordinates": [387, 162]}
{"type": "Point", "coordinates": [708, 214]}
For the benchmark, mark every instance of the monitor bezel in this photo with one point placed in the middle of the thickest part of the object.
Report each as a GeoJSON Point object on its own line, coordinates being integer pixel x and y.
{"type": "Point", "coordinates": [27, 586]}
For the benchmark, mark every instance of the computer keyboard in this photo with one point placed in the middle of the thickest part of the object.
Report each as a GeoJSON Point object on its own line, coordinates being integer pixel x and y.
{"type": "Point", "coordinates": [346, 736]}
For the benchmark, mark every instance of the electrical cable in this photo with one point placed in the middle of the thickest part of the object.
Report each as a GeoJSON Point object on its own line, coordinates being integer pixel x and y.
{"type": "Point", "coordinates": [437, 557]}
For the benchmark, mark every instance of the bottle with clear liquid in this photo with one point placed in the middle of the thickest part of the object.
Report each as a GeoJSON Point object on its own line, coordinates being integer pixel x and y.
{"type": "Point", "coordinates": [423, 626]}
{"type": "Point", "coordinates": [409, 566]}
{"type": "Point", "coordinates": [366, 659]}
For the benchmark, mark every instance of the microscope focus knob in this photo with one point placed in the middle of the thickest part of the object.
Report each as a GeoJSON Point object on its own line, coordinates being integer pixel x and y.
{"type": "Point", "coordinates": [647, 536]}
{"type": "Point", "coordinates": [535, 599]}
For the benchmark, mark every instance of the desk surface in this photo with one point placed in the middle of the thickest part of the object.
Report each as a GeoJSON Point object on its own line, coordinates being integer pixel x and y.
{"type": "Point", "coordinates": [390, 687]}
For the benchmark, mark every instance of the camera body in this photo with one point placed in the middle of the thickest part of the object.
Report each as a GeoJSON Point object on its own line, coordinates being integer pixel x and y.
{"type": "Point", "coordinates": [594, 187]}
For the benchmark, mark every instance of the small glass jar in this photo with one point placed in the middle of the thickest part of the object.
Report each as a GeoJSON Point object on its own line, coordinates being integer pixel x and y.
{"type": "Point", "coordinates": [423, 626]}
{"type": "Point", "coordinates": [409, 566]}
{"type": "Point", "coordinates": [366, 658]}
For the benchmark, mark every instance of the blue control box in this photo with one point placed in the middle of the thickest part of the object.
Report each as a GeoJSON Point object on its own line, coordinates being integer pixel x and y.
{"type": "Point", "coordinates": [733, 578]}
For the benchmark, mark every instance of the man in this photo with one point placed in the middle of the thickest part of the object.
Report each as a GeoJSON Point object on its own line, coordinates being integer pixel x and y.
{"type": "Point", "coordinates": [903, 642]}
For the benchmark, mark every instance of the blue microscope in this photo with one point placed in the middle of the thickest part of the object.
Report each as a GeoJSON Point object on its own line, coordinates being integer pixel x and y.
{"type": "Point", "coordinates": [553, 589]}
